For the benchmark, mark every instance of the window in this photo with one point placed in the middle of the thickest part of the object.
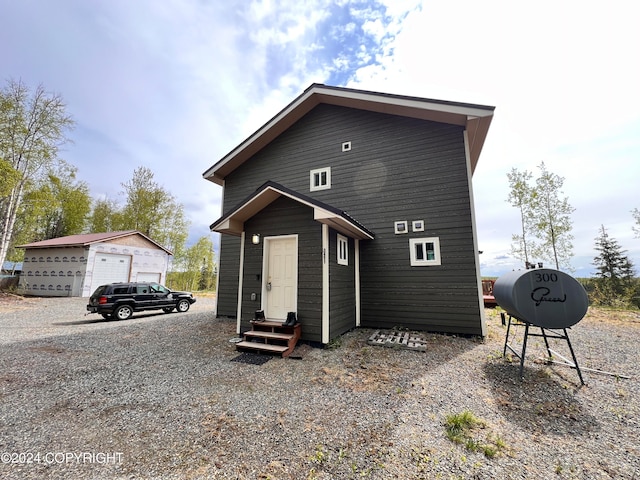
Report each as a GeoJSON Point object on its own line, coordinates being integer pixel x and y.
{"type": "Point", "coordinates": [417, 225]}
{"type": "Point", "coordinates": [400, 227]}
{"type": "Point", "coordinates": [343, 250]}
{"type": "Point", "coordinates": [346, 146]}
{"type": "Point", "coordinates": [424, 251]}
{"type": "Point", "coordinates": [320, 179]}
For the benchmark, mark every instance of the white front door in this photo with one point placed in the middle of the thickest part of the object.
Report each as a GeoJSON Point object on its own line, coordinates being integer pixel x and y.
{"type": "Point", "coordinates": [281, 276]}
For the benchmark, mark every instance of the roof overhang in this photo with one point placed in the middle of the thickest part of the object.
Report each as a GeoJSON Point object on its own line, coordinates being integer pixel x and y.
{"type": "Point", "coordinates": [88, 239]}
{"type": "Point", "coordinates": [233, 222]}
{"type": "Point", "coordinates": [474, 118]}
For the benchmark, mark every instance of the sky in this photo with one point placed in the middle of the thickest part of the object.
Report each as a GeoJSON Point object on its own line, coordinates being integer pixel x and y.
{"type": "Point", "coordinates": [174, 85]}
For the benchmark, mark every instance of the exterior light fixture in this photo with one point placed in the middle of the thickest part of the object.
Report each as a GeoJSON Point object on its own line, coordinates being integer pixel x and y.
{"type": "Point", "coordinates": [255, 238]}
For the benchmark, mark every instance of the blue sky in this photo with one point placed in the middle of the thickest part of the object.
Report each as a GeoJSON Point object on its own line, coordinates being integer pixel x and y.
{"type": "Point", "coordinates": [174, 85]}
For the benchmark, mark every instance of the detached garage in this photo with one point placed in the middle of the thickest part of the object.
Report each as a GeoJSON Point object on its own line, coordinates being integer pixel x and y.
{"type": "Point", "coordinates": [76, 265]}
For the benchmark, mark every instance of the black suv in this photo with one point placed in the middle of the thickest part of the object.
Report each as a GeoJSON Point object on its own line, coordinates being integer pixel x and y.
{"type": "Point", "coordinates": [120, 300]}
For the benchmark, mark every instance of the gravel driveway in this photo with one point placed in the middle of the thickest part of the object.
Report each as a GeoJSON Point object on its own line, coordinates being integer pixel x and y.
{"type": "Point", "coordinates": [159, 396]}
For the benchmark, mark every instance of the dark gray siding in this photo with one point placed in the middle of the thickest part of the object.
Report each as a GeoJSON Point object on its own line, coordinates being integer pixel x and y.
{"type": "Point", "coordinates": [342, 290]}
{"type": "Point", "coordinates": [398, 169]}
{"type": "Point", "coordinates": [287, 217]}
{"type": "Point", "coordinates": [228, 266]}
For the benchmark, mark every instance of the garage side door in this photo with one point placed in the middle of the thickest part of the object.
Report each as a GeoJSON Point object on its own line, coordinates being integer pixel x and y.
{"type": "Point", "coordinates": [110, 268]}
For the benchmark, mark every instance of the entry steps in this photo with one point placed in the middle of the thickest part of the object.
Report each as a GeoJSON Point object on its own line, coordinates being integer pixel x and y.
{"type": "Point", "coordinates": [271, 336]}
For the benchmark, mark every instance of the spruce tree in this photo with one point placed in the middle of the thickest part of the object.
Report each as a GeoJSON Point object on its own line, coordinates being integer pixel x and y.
{"type": "Point", "coordinates": [614, 276]}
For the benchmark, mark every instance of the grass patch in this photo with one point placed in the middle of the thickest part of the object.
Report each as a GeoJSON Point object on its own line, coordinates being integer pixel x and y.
{"type": "Point", "coordinates": [461, 428]}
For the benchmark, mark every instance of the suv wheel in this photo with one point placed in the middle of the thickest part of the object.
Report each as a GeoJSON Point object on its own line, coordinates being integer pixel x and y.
{"type": "Point", "coordinates": [183, 305]}
{"type": "Point", "coordinates": [123, 312]}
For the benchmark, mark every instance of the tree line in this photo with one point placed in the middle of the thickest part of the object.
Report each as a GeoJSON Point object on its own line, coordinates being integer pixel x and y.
{"type": "Point", "coordinates": [41, 198]}
{"type": "Point", "coordinates": [545, 233]}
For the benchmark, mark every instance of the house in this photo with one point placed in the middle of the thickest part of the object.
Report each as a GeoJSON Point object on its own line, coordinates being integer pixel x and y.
{"type": "Point", "coordinates": [77, 264]}
{"type": "Point", "coordinates": [354, 208]}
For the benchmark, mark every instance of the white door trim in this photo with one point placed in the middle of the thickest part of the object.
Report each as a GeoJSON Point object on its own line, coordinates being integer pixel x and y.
{"type": "Point", "coordinates": [266, 244]}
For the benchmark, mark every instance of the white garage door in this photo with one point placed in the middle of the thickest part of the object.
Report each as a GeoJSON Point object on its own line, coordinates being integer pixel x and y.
{"type": "Point", "coordinates": [148, 277]}
{"type": "Point", "coordinates": [110, 268]}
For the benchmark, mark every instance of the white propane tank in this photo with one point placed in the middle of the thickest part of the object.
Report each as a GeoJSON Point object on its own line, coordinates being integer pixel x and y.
{"type": "Point", "coordinates": [543, 297]}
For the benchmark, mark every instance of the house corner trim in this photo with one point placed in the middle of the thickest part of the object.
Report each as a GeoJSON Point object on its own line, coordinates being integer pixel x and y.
{"type": "Point", "coordinates": [240, 278]}
{"type": "Point", "coordinates": [325, 283]}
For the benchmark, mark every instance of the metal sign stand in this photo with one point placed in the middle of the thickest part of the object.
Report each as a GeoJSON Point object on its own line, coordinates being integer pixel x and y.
{"type": "Point", "coordinates": [546, 334]}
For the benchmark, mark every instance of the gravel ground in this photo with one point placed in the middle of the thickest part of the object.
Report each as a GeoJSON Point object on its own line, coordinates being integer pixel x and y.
{"type": "Point", "coordinates": [158, 396]}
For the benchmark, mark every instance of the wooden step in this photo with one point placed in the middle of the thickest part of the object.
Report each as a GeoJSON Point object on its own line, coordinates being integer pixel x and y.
{"type": "Point", "coordinates": [270, 335]}
{"type": "Point", "coordinates": [271, 331]}
{"type": "Point", "coordinates": [267, 347]}
{"type": "Point", "coordinates": [268, 323]}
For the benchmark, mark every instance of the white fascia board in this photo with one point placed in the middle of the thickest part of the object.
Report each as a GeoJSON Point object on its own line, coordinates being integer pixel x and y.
{"type": "Point", "coordinates": [468, 111]}
{"type": "Point", "coordinates": [340, 224]}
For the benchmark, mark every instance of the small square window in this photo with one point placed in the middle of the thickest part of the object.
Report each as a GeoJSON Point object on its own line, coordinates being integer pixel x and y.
{"type": "Point", "coordinates": [346, 146]}
{"type": "Point", "coordinates": [401, 227]}
{"type": "Point", "coordinates": [343, 250]}
{"type": "Point", "coordinates": [320, 179]}
{"type": "Point", "coordinates": [417, 225]}
{"type": "Point", "coordinates": [424, 251]}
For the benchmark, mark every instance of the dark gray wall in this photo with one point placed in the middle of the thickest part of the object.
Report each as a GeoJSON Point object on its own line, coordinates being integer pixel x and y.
{"type": "Point", "coordinates": [342, 289]}
{"type": "Point", "coordinates": [287, 217]}
{"type": "Point", "coordinates": [228, 265]}
{"type": "Point", "coordinates": [398, 169]}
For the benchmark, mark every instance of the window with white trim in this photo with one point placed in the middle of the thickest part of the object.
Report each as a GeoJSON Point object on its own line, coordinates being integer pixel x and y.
{"type": "Point", "coordinates": [320, 179]}
{"type": "Point", "coordinates": [343, 250]}
{"type": "Point", "coordinates": [400, 227]}
{"type": "Point", "coordinates": [424, 252]}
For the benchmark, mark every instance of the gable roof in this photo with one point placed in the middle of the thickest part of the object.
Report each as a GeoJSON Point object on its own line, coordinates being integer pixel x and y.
{"type": "Point", "coordinates": [86, 239]}
{"type": "Point", "coordinates": [233, 222]}
{"type": "Point", "coordinates": [475, 118]}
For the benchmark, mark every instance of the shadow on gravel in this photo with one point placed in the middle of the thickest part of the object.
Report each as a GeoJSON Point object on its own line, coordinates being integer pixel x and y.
{"type": "Point", "coordinates": [542, 403]}
{"type": "Point", "coordinates": [89, 321]}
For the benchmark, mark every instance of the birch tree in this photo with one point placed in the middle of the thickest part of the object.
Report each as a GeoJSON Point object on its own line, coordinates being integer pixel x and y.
{"type": "Point", "coordinates": [33, 126]}
{"type": "Point", "coordinates": [552, 224]}
{"type": "Point", "coordinates": [521, 196]}
{"type": "Point", "coordinates": [636, 217]}
{"type": "Point", "coordinates": [55, 208]}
